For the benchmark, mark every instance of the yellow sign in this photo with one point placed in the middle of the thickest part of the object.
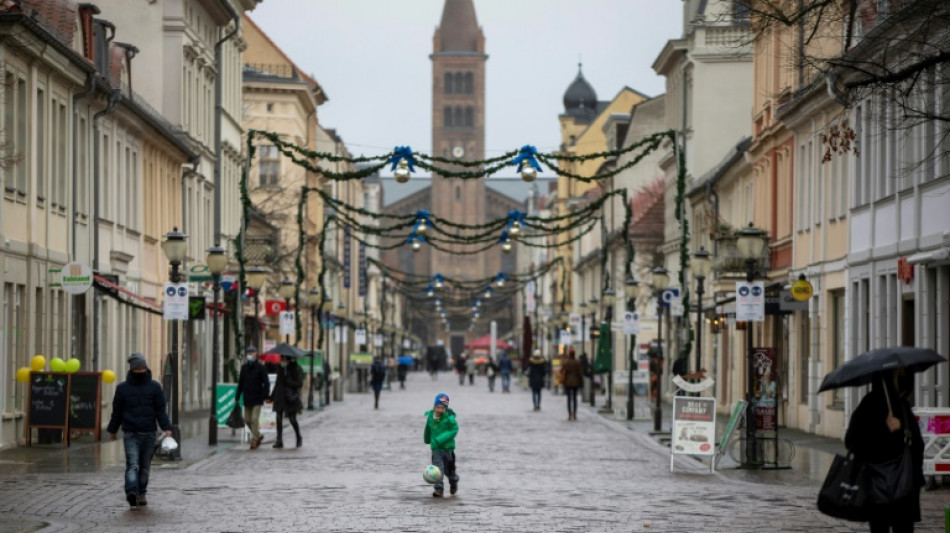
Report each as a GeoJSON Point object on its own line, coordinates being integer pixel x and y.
{"type": "Point", "coordinates": [802, 290]}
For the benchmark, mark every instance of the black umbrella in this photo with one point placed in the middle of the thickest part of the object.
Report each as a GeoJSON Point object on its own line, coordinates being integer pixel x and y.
{"type": "Point", "coordinates": [283, 350]}
{"type": "Point", "coordinates": [861, 369]}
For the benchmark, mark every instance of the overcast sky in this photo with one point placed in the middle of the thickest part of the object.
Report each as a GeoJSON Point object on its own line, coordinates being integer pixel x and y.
{"type": "Point", "coordinates": [372, 59]}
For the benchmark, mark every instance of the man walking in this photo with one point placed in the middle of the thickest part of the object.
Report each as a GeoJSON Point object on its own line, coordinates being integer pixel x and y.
{"type": "Point", "coordinates": [254, 385]}
{"type": "Point", "coordinates": [137, 405]}
{"type": "Point", "coordinates": [504, 368]}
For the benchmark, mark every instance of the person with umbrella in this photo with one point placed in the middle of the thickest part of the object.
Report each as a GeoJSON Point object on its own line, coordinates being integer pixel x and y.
{"type": "Point", "coordinates": [884, 433]}
{"type": "Point", "coordinates": [402, 368]}
{"type": "Point", "coordinates": [286, 397]}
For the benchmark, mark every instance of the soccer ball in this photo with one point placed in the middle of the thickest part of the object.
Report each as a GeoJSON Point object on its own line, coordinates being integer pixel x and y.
{"type": "Point", "coordinates": [432, 474]}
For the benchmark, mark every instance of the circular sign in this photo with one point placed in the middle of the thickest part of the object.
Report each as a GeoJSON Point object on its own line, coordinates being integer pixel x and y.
{"type": "Point", "coordinates": [802, 290]}
{"type": "Point", "coordinates": [75, 278]}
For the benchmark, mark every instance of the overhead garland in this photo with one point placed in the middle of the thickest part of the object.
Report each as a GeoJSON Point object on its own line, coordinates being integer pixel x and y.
{"type": "Point", "coordinates": [479, 237]}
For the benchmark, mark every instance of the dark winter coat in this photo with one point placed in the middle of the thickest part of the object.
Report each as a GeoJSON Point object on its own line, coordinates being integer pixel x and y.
{"type": "Point", "coordinates": [286, 395]}
{"type": "Point", "coordinates": [572, 375]}
{"type": "Point", "coordinates": [253, 383]}
{"type": "Point", "coordinates": [504, 365]}
{"type": "Point", "coordinates": [138, 405]}
{"type": "Point", "coordinates": [401, 371]}
{"type": "Point", "coordinates": [869, 438]}
{"type": "Point", "coordinates": [537, 371]}
{"type": "Point", "coordinates": [377, 375]}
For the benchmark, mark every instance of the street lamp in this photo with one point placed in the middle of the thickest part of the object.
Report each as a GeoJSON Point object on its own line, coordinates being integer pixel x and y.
{"type": "Point", "coordinates": [750, 242]}
{"type": "Point", "coordinates": [580, 335]}
{"type": "Point", "coordinates": [610, 298]}
{"type": "Point", "coordinates": [175, 247]}
{"type": "Point", "coordinates": [340, 309]}
{"type": "Point", "coordinates": [313, 300]}
{"type": "Point", "coordinates": [256, 278]}
{"type": "Point", "coordinates": [287, 291]}
{"type": "Point", "coordinates": [630, 292]}
{"type": "Point", "coordinates": [702, 266]}
{"type": "Point", "coordinates": [217, 261]}
{"type": "Point", "coordinates": [661, 280]}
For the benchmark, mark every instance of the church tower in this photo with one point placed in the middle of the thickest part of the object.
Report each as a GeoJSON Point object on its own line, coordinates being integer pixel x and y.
{"type": "Point", "coordinates": [458, 128]}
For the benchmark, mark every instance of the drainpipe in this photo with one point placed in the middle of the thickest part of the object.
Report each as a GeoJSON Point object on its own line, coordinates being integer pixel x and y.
{"type": "Point", "coordinates": [218, 112]}
{"type": "Point", "coordinates": [113, 101]}
{"type": "Point", "coordinates": [713, 197]}
{"type": "Point", "coordinates": [89, 89]}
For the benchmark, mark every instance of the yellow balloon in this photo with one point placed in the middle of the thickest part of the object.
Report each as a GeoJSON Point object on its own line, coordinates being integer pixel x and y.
{"type": "Point", "coordinates": [23, 375]}
{"type": "Point", "coordinates": [38, 363]}
{"type": "Point", "coordinates": [57, 365]}
{"type": "Point", "coordinates": [108, 376]}
{"type": "Point", "coordinates": [72, 365]}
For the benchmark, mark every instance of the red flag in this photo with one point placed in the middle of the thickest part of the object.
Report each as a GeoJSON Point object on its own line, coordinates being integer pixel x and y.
{"type": "Point", "coordinates": [274, 307]}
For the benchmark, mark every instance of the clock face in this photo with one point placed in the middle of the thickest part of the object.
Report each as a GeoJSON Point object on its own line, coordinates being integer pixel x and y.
{"type": "Point", "coordinates": [458, 152]}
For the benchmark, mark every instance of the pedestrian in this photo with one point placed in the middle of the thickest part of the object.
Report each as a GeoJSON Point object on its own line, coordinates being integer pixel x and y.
{"type": "Point", "coordinates": [460, 367]}
{"type": "Point", "coordinates": [441, 429]}
{"type": "Point", "coordinates": [286, 398]}
{"type": "Point", "coordinates": [572, 377]}
{"type": "Point", "coordinates": [882, 429]}
{"type": "Point", "coordinates": [138, 404]}
{"type": "Point", "coordinates": [504, 368]}
{"type": "Point", "coordinates": [470, 369]}
{"type": "Point", "coordinates": [537, 370]}
{"type": "Point", "coordinates": [401, 370]}
{"type": "Point", "coordinates": [254, 386]}
{"type": "Point", "coordinates": [491, 370]}
{"type": "Point", "coordinates": [377, 375]}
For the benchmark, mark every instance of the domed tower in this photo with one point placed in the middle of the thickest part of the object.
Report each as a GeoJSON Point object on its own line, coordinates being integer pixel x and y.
{"type": "Point", "coordinates": [580, 98]}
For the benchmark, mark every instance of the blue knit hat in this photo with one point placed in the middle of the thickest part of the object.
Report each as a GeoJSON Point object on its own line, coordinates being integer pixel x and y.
{"type": "Point", "coordinates": [442, 398]}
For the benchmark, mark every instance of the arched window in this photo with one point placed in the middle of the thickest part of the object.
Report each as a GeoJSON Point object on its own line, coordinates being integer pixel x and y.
{"type": "Point", "coordinates": [447, 117]}
{"type": "Point", "coordinates": [459, 119]}
{"type": "Point", "coordinates": [448, 83]}
{"type": "Point", "coordinates": [469, 83]}
{"type": "Point", "coordinates": [459, 82]}
{"type": "Point", "coordinates": [469, 117]}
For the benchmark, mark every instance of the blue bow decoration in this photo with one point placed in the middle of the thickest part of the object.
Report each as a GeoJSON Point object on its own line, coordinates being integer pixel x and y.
{"type": "Point", "coordinates": [504, 237]}
{"type": "Point", "coordinates": [422, 214]}
{"type": "Point", "coordinates": [526, 155]}
{"type": "Point", "coordinates": [415, 237]}
{"type": "Point", "coordinates": [515, 216]}
{"type": "Point", "coordinates": [402, 152]}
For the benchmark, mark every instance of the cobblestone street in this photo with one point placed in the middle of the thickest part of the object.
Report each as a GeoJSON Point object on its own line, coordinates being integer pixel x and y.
{"type": "Point", "coordinates": [360, 469]}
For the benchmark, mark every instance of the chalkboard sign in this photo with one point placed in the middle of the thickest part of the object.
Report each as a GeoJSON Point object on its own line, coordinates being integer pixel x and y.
{"type": "Point", "coordinates": [49, 401]}
{"type": "Point", "coordinates": [84, 402]}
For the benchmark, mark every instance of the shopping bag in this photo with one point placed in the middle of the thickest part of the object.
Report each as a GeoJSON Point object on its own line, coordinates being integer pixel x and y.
{"type": "Point", "coordinates": [844, 493]}
{"type": "Point", "coordinates": [893, 480]}
{"type": "Point", "coordinates": [236, 419]}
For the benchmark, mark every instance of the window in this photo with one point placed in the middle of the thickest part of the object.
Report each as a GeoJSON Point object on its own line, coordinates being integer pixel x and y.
{"type": "Point", "coordinates": [469, 117]}
{"type": "Point", "coordinates": [449, 88]}
{"type": "Point", "coordinates": [447, 117]}
{"type": "Point", "coordinates": [40, 144]}
{"type": "Point", "coordinates": [838, 335]}
{"type": "Point", "coordinates": [13, 323]}
{"type": "Point", "coordinates": [134, 179]}
{"type": "Point", "coordinates": [81, 167]}
{"type": "Point", "coordinates": [269, 165]}
{"type": "Point", "coordinates": [459, 118]}
{"type": "Point", "coordinates": [859, 145]}
{"type": "Point", "coordinates": [800, 194]}
{"type": "Point", "coordinates": [59, 163]}
{"type": "Point", "coordinates": [459, 82]}
{"type": "Point", "coordinates": [458, 193]}
{"type": "Point", "coordinates": [106, 169]}
{"type": "Point", "coordinates": [40, 328]}
{"type": "Point", "coordinates": [129, 189]}
{"type": "Point", "coordinates": [469, 83]}
{"type": "Point", "coordinates": [804, 348]}
{"type": "Point", "coordinates": [21, 144]}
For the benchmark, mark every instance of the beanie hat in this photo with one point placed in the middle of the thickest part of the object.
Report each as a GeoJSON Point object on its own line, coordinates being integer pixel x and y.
{"type": "Point", "coordinates": [442, 398]}
{"type": "Point", "coordinates": [137, 361]}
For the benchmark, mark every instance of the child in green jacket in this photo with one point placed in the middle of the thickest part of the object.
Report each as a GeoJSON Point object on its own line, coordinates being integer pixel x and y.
{"type": "Point", "coordinates": [439, 434]}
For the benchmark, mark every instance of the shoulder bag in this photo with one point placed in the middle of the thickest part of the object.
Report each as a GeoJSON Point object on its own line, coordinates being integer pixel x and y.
{"type": "Point", "coordinates": [844, 493]}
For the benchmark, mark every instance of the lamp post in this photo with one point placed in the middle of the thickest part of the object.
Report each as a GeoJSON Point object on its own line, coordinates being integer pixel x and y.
{"type": "Point", "coordinates": [340, 309]}
{"type": "Point", "coordinates": [630, 291]}
{"type": "Point", "coordinates": [175, 248]}
{"type": "Point", "coordinates": [287, 291]}
{"type": "Point", "coordinates": [313, 300]}
{"type": "Point", "coordinates": [749, 243]}
{"type": "Point", "coordinates": [256, 278]}
{"type": "Point", "coordinates": [217, 261]}
{"type": "Point", "coordinates": [661, 280]}
{"type": "Point", "coordinates": [580, 335]}
{"type": "Point", "coordinates": [702, 265]}
{"type": "Point", "coordinates": [592, 304]}
{"type": "Point", "coordinates": [610, 298]}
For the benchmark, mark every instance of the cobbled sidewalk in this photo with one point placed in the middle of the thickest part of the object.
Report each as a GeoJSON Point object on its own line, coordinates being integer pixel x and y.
{"type": "Point", "coordinates": [360, 470]}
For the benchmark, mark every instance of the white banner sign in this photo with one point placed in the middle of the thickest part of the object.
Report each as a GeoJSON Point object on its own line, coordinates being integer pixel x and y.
{"type": "Point", "coordinates": [176, 301]}
{"type": "Point", "coordinates": [694, 426]}
{"type": "Point", "coordinates": [287, 324]}
{"type": "Point", "coordinates": [750, 301]}
{"type": "Point", "coordinates": [360, 336]}
{"type": "Point", "coordinates": [529, 300]}
{"type": "Point", "coordinates": [378, 341]}
{"type": "Point", "coordinates": [631, 323]}
{"type": "Point", "coordinates": [565, 337]}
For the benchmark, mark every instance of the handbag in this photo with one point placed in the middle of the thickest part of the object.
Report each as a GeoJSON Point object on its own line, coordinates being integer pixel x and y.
{"type": "Point", "coordinates": [236, 419]}
{"type": "Point", "coordinates": [844, 493]}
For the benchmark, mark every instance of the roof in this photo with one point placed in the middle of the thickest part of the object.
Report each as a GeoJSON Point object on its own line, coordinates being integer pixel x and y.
{"type": "Point", "coordinates": [580, 94]}
{"type": "Point", "coordinates": [318, 91]}
{"type": "Point", "coordinates": [458, 31]}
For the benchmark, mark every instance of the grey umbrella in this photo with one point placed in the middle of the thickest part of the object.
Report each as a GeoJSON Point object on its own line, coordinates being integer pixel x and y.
{"type": "Point", "coordinates": [861, 369]}
{"type": "Point", "coordinates": [283, 350]}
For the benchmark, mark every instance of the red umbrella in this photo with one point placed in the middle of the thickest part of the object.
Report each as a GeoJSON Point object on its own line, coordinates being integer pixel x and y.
{"type": "Point", "coordinates": [484, 343]}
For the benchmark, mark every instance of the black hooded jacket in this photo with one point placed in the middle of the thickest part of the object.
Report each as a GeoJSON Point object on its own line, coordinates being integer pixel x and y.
{"type": "Point", "coordinates": [138, 405]}
{"type": "Point", "coordinates": [253, 384]}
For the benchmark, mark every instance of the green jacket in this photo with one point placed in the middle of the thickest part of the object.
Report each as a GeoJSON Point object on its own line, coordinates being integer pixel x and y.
{"type": "Point", "coordinates": [440, 434]}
